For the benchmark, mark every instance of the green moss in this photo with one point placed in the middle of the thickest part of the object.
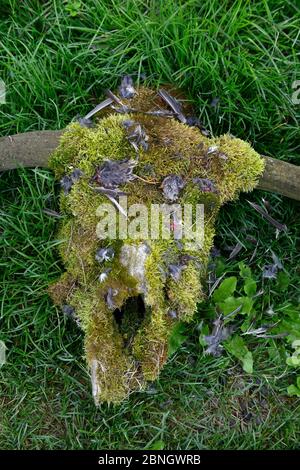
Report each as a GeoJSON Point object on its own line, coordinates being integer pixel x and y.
{"type": "Point", "coordinates": [126, 343]}
{"type": "Point", "coordinates": [241, 170]}
{"type": "Point", "coordinates": [151, 343]}
{"type": "Point", "coordinates": [84, 148]}
{"type": "Point", "coordinates": [184, 298]}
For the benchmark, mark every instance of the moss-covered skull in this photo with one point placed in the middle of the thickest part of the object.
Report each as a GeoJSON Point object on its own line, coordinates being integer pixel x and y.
{"type": "Point", "coordinates": [129, 294]}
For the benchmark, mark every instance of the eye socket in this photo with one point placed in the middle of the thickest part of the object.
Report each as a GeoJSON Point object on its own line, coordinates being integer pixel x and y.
{"type": "Point", "coordinates": [130, 317]}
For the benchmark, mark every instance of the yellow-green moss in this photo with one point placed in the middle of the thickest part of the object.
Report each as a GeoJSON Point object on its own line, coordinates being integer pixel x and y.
{"type": "Point", "coordinates": [119, 360]}
{"type": "Point", "coordinates": [184, 299]}
{"type": "Point", "coordinates": [84, 148]}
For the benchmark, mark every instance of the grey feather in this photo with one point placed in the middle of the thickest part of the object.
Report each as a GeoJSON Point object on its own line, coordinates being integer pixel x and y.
{"type": "Point", "coordinates": [219, 333]}
{"type": "Point", "coordinates": [175, 271]}
{"type": "Point", "coordinates": [113, 173]}
{"type": "Point", "coordinates": [84, 122]}
{"type": "Point", "coordinates": [265, 215]}
{"type": "Point", "coordinates": [126, 89]}
{"type": "Point", "coordinates": [172, 186]}
{"type": "Point", "coordinates": [99, 107]}
{"type": "Point", "coordinates": [205, 185]}
{"type": "Point", "coordinates": [136, 135]}
{"type": "Point", "coordinates": [104, 254]}
{"type": "Point", "coordinates": [67, 181]}
{"type": "Point", "coordinates": [173, 103]}
{"type": "Point", "coordinates": [109, 298]}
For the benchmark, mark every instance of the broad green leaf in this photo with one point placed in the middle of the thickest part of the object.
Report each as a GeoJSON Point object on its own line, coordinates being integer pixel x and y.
{"type": "Point", "coordinates": [283, 281]}
{"type": "Point", "coordinates": [246, 324]}
{"type": "Point", "coordinates": [245, 271]}
{"type": "Point", "coordinates": [220, 267]}
{"type": "Point", "coordinates": [290, 322]}
{"type": "Point", "coordinates": [237, 347]}
{"type": "Point", "coordinates": [247, 305]}
{"type": "Point", "coordinates": [232, 303]}
{"type": "Point", "coordinates": [73, 7]}
{"type": "Point", "coordinates": [250, 287]}
{"type": "Point", "coordinates": [248, 362]}
{"type": "Point", "coordinates": [225, 289]}
{"type": "Point", "coordinates": [204, 332]}
{"type": "Point", "coordinates": [229, 305]}
{"type": "Point", "coordinates": [177, 337]}
{"type": "Point", "coordinates": [157, 445]}
{"type": "Point", "coordinates": [293, 361]}
{"type": "Point", "coordinates": [293, 391]}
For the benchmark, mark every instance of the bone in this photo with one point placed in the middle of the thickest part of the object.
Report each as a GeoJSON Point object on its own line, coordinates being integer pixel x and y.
{"type": "Point", "coordinates": [32, 149]}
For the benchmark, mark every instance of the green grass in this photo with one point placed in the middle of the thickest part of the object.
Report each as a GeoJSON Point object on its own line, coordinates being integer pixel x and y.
{"type": "Point", "coordinates": [56, 66]}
